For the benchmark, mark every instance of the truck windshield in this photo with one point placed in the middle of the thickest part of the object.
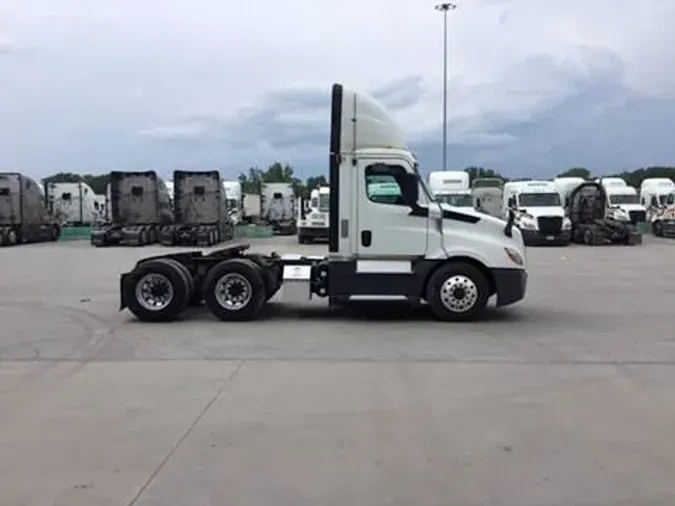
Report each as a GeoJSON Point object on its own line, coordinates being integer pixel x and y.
{"type": "Point", "coordinates": [670, 199]}
{"type": "Point", "coordinates": [616, 200]}
{"type": "Point", "coordinates": [538, 199]}
{"type": "Point", "coordinates": [487, 183]}
{"type": "Point", "coordinates": [324, 203]}
{"type": "Point", "coordinates": [459, 200]}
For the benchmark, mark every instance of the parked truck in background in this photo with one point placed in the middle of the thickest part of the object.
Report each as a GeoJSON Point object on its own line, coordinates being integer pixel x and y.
{"type": "Point", "coordinates": [587, 211]}
{"type": "Point", "coordinates": [488, 194]}
{"type": "Point", "coordinates": [72, 203]}
{"type": "Point", "coordinates": [657, 194]}
{"type": "Point", "coordinates": [200, 211]}
{"type": "Point", "coordinates": [452, 188]}
{"type": "Point", "coordinates": [403, 247]}
{"type": "Point", "coordinates": [313, 219]}
{"type": "Point", "coordinates": [565, 186]}
{"type": "Point", "coordinates": [539, 213]}
{"type": "Point", "coordinates": [277, 202]}
{"type": "Point", "coordinates": [235, 201]}
{"type": "Point", "coordinates": [24, 216]}
{"type": "Point", "coordinates": [623, 202]}
{"type": "Point", "coordinates": [139, 206]}
{"type": "Point", "coordinates": [252, 208]}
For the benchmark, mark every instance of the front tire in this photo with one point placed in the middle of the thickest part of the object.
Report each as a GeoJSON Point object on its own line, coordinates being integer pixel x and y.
{"type": "Point", "coordinates": [234, 290]}
{"type": "Point", "coordinates": [458, 292]}
{"type": "Point", "coordinates": [657, 229]}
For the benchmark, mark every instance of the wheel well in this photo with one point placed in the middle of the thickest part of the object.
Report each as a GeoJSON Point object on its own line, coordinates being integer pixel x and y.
{"type": "Point", "coordinates": [468, 260]}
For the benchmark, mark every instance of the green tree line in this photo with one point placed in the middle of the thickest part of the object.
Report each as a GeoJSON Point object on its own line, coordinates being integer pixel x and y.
{"type": "Point", "coordinates": [284, 173]}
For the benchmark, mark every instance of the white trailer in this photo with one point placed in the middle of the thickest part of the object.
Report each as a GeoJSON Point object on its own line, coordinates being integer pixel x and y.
{"type": "Point", "coordinates": [72, 203]}
{"type": "Point", "coordinates": [313, 219]}
{"type": "Point", "coordinates": [539, 212]}
{"type": "Point", "coordinates": [409, 247]}
{"type": "Point", "coordinates": [452, 188]}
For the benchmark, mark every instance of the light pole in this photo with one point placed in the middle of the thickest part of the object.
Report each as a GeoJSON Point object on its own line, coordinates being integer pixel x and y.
{"type": "Point", "coordinates": [444, 8]}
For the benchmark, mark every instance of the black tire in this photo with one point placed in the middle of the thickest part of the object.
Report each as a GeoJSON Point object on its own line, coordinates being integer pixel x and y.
{"type": "Point", "coordinates": [12, 237]}
{"type": "Point", "coordinates": [588, 237]}
{"type": "Point", "coordinates": [467, 278]}
{"type": "Point", "coordinates": [187, 275]}
{"type": "Point", "coordinates": [169, 271]}
{"type": "Point", "coordinates": [55, 233]}
{"type": "Point", "coordinates": [246, 277]}
{"type": "Point", "coordinates": [657, 229]}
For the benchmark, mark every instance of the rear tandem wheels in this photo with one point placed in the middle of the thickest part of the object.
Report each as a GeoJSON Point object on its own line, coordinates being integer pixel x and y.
{"type": "Point", "coordinates": [235, 286]}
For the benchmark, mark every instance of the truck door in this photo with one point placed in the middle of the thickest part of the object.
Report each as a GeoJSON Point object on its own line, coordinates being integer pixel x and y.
{"type": "Point", "coordinates": [386, 225]}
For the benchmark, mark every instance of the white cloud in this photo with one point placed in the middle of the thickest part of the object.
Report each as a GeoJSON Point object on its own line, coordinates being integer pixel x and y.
{"type": "Point", "coordinates": [117, 76]}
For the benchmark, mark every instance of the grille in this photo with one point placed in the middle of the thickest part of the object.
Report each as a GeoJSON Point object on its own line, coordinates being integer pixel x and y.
{"type": "Point", "coordinates": [550, 225]}
{"type": "Point", "coordinates": [637, 216]}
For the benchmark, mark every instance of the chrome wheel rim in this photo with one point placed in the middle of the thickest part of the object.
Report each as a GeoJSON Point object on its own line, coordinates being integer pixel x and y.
{"type": "Point", "coordinates": [233, 291]}
{"type": "Point", "coordinates": [154, 292]}
{"type": "Point", "coordinates": [459, 293]}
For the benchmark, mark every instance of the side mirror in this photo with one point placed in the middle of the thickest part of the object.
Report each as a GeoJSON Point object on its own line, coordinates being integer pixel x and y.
{"type": "Point", "coordinates": [303, 210]}
{"type": "Point", "coordinates": [512, 201]}
{"type": "Point", "coordinates": [477, 203]}
{"type": "Point", "coordinates": [655, 201]}
{"type": "Point", "coordinates": [410, 189]}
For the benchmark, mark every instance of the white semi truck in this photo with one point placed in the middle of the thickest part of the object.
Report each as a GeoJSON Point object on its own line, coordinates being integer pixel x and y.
{"type": "Point", "coordinates": [313, 220]}
{"type": "Point", "coordinates": [488, 193]}
{"type": "Point", "coordinates": [235, 201]}
{"type": "Point", "coordinates": [539, 213]}
{"type": "Point", "coordinates": [409, 247]}
{"type": "Point", "coordinates": [658, 196]}
{"type": "Point", "coordinates": [277, 203]}
{"type": "Point", "coordinates": [452, 188]}
{"type": "Point", "coordinates": [623, 203]}
{"type": "Point", "coordinates": [72, 203]}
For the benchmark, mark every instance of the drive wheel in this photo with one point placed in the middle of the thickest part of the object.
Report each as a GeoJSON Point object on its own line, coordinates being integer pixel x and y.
{"type": "Point", "coordinates": [457, 292]}
{"type": "Point", "coordinates": [156, 291]}
{"type": "Point", "coordinates": [657, 229]}
{"type": "Point", "coordinates": [588, 237]}
{"type": "Point", "coordinates": [234, 290]}
{"type": "Point", "coordinates": [12, 238]}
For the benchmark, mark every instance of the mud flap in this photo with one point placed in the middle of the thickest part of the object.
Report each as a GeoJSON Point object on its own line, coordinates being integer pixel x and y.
{"type": "Point", "coordinates": [123, 303]}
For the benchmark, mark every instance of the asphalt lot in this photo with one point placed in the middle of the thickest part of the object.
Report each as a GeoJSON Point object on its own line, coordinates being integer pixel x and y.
{"type": "Point", "coordinates": [564, 399]}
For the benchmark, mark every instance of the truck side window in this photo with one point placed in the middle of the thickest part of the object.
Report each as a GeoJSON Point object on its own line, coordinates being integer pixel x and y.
{"type": "Point", "coordinates": [382, 184]}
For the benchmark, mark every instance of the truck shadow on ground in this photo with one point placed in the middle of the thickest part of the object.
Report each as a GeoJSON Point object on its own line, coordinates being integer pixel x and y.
{"type": "Point", "coordinates": [359, 311]}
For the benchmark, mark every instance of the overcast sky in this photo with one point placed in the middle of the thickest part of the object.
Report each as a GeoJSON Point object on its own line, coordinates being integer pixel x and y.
{"type": "Point", "coordinates": [535, 85]}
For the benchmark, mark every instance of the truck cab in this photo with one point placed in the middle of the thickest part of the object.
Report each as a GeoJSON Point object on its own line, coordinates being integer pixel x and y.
{"type": "Point", "coordinates": [487, 193]}
{"type": "Point", "coordinates": [313, 219]}
{"type": "Point", "coordinates": [388, 239]}
{"type": "Point", "coordinates": [623, 203]}
{"type": "Point", "coordinates": [452, 188]}
{"type": "Point", "coordinates": [539, 213]}
{"type": "Point", "coordinates": [658, 196]}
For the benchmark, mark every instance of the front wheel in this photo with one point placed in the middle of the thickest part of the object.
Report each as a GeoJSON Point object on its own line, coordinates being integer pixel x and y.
{"type": "Point", "coordinates": [458, 292]}
{"type": "Point", "coordinates": [657, 228]}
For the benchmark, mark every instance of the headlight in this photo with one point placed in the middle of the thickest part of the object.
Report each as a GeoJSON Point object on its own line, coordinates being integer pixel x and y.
{"type": "Point", "coordinates": [514, 256]}
{"type": "Point", "coordinates": [567, 224]}
{"type": "Point", "coordinates": [527, 224]}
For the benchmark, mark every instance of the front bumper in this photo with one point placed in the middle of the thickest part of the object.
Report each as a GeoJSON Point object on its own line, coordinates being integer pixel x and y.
{"type": "Point", "coordinates": [510, 285]}
{"type": "Point", "coordinates": [668, 228]}
{"type": "Point", "coordinates": [536, 238]}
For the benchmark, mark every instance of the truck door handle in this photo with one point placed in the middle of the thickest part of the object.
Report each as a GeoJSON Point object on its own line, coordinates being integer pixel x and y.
{"type": "Point", "coordinates": [366, 238]}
